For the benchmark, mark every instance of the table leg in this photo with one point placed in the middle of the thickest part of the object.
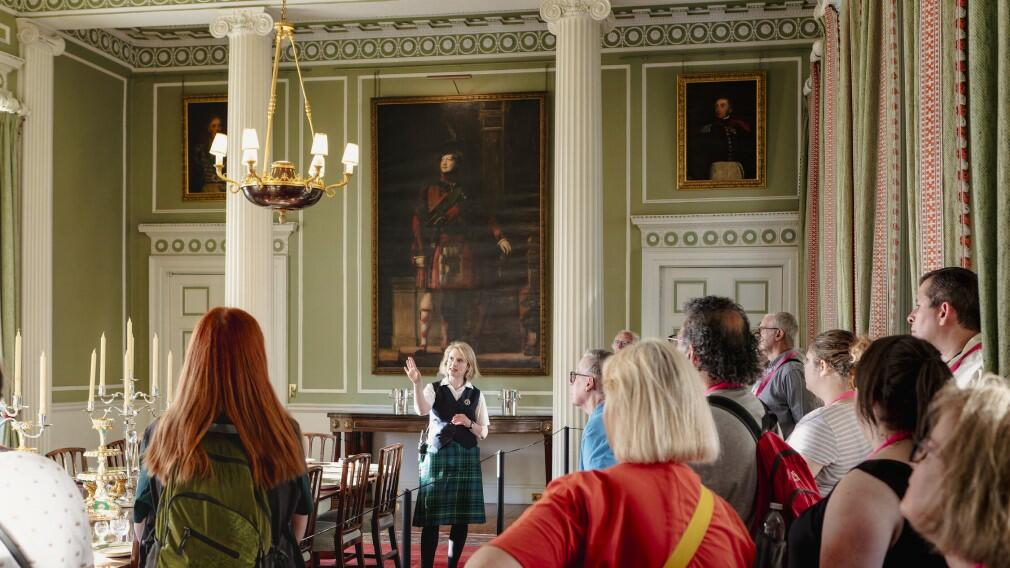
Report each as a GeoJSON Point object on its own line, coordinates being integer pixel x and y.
{"type": "Point", "coordinates": [548, 446]}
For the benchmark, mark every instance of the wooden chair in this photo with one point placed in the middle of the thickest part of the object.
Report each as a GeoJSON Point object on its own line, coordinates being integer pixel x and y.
{"type": "Point", "coordinates": [120, 460]}
{"type": "Point", "coordinates": [345, 518]}
{"type": "Point", "coordinates": [323, 440]}
{"type": "Point", "coordinates": [315, 484]}
{"type": "Point", "coordinates": [72, 460]}
{"type": "Point", "coordinates": [384, 503]}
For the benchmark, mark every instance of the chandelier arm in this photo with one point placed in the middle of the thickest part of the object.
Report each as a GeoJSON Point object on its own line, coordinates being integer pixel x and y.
{"type": "Point", "coordinates": [219, 168]}
{"type": "Point", "coordinates": [343, 181]}
{"type": "Point", "coordinates": [282, 31]}
{"type": "Point", "coordinates": [301, 83]}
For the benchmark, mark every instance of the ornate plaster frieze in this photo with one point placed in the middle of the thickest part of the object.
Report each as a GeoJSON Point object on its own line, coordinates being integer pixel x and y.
{"type": "Point", "coordinates": [553, 11]}
{"type": "Point", "coordinates": [464, 38]}
{"type": "Point", "coordinates": [189, 239]}
{"type": "Point", "coordinates": [724, 230]}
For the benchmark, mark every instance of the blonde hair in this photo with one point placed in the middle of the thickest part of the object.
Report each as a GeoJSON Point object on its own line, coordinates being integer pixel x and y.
{"type": "Point", "coordinates": [969, 513]}
{"type": "Point", "coordinates": [840, 350]}
{"type": "Point", "coordinates": [472, 372]}
{"type": "Point", "coordinates": [656, 410]}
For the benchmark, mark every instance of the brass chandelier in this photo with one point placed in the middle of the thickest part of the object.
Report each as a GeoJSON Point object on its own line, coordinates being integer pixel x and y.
{"type": "Point", "coordinates": [280, 187]}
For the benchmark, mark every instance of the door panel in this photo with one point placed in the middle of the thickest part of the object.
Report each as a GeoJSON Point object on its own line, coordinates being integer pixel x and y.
{"type": "Point", "coordinates": [190, 296]}
{"type": "Point", "coordinates": [758, 289]}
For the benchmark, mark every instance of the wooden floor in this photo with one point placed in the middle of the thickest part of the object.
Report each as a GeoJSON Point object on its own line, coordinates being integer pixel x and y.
{"type": "Point", "coordinates": [478, 533]}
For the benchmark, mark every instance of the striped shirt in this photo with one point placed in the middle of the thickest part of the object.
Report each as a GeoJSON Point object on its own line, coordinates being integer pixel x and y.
{"type": "Point", "coordinates": [831, 436]}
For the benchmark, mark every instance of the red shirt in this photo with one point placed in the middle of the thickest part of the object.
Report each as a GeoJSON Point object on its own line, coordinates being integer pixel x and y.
{"type": "Point", "coordinates": [627, 515]}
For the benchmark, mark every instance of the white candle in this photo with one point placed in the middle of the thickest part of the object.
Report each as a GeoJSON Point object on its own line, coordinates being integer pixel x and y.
{"type": "Point", "coordinates": [91, 384]}
{"type": "Point", "coordinates": [126, 382]}
{"type": "Point", "coordinates": [154, 366]}
{"type": "Point", "coordinates": [129, 347]}
{"type": "Point", "coordinates": [168, 387]}
{"type": "Point", "coordinates": [17, 364]}
{"type": "Point", "coordinates": [43, 385]}
{"type": "Point", "coordinates": [101, 372]}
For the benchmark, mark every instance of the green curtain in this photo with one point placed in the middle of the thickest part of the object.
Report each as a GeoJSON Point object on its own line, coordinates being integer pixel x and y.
{"type": "Point", "coordinates": [10, 125]}
{"type": "Point", "coordinates": [989, 144]}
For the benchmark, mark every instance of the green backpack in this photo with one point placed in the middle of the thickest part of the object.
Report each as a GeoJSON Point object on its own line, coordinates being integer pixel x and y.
{"type": "Point", "coordinates": [223, 520]}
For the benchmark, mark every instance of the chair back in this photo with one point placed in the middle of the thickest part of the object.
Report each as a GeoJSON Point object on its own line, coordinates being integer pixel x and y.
{"type": "Point", "coordinates": [353, 489]}
{"type": "Point", "coordinates": [319, 442]}
{"type": "Point", "coordinates": [315, 485]}
{"type": "Point", "coordinates": [72, 460]}
{"type": "Point", "coordinates": [120, 460]}
{"type": "Point", "coordinates": [388, 480]}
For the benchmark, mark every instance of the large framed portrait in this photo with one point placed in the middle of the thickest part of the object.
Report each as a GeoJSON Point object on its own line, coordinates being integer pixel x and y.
{"type": "Point", "coordinates": [459, 230]}
{"type": "Point", "coordinates": [721, 131]}
{"type": "Point", "coordinates": [202, 118]}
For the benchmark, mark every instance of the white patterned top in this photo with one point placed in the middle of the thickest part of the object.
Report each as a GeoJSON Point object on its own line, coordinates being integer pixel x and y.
{"type": "Point", "coordinates": [43, 513]}
{"type": "Point", "coordinates": [831, 436]}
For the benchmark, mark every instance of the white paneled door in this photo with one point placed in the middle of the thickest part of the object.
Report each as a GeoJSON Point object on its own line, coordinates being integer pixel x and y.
{"type": "Point", "coordinates": [758, 289]}
{"type": "Point", "coordinates": [190, 296]}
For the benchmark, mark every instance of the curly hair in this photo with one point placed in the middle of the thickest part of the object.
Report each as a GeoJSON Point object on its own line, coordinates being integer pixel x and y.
{"type": "Point", "coordinates": [718, 331]}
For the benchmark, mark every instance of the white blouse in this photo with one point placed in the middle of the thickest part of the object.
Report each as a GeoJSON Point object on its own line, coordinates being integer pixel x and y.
{"type": "Point", "coordinates": [43, 513]}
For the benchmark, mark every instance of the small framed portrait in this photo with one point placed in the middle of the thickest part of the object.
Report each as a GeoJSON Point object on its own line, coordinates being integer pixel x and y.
{"type": "Point", "coordinates": [721, 131]}
{"type": "Point", "coordinates": [202, 118]}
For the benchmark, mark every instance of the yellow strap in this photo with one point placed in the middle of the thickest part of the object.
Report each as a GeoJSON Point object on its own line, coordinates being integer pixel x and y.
{"type": "Point", "coordinates": [694, 533]}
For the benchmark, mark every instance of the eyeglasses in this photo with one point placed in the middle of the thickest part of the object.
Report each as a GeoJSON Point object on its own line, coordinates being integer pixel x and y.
{"type": "Point", "coordinates": [573, 374]}
{"type": "Point", "coordinates": [922, 449]}
{"type": "Point", "coordinates": [620, 343]}
{"type": "Point", "coordinates": [760, 329]}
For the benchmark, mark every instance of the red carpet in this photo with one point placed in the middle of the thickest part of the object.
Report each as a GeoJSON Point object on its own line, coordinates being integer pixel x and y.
{"type": "Point", "coordinates": [441, 559]}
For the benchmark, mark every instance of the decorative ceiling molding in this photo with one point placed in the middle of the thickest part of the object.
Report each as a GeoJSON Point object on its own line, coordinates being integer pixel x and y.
{"type": "Point", "coordinates": [719, 230]}
{"type": "Point", "coordinates": [525, 35]}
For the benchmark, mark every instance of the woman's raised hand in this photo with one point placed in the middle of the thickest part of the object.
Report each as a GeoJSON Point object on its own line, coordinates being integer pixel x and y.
{"type": "Point", "coordinates": [413, 373]}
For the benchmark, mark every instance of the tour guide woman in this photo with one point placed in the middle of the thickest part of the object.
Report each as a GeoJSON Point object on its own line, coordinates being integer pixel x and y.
{"type": "Point", "coordinates": [451, 492]}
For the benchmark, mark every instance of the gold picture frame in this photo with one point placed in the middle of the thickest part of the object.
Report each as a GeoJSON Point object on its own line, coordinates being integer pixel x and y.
{"type": "Point", "coordinates": [203, 116]}
{"type": "Point", "coordinates": [721, 131]}
{"type": "Point", "coordinates": [494, 290]}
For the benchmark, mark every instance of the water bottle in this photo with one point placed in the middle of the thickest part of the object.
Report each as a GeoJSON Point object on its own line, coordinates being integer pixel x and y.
{"type": "Point", "coordinates": [771, 546]}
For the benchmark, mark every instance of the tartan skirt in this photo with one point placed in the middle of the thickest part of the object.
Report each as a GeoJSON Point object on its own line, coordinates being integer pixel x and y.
{"type": "Point", "coordinates": [451, 488]}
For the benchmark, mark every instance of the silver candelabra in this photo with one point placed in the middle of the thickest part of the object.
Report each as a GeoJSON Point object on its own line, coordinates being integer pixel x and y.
{"type": "Point", "coordinates": [133, 403]}
{"type": "Point", "coordinates": [26, 429]}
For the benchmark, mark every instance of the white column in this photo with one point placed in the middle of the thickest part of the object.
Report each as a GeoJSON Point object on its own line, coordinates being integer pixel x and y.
{"type": "Point", "coordinates": [248, 273]}
{"type": "Point", "coordinates": [39, 45]}
{"type": "Point", "coordinates": [578, 197]}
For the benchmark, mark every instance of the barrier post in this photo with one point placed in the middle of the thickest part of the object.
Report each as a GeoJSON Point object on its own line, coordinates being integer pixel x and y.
{"type": "Point", "coordinates": [567, 454]}
{"type": "Point", "coordinates": [405, 538]}
{"type": "Point", "coordinates": [501, 492]}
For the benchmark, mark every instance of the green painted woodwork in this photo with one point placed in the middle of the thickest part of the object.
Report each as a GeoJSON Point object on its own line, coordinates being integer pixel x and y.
{"type": "Point", "coordinates": [87, 223]}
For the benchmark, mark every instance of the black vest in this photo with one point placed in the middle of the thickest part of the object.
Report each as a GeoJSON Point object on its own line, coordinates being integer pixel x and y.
{"type": "Point", "coordinates": [445, 407]}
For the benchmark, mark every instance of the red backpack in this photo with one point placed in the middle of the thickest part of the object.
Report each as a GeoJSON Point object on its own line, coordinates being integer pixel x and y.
{"type": "Point", "coordinates": [783, 474]}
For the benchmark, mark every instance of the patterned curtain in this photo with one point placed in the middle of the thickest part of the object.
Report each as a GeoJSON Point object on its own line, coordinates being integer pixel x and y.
{"type": "Point", "coordinates": [10, 125]}
{"type": "Point", "coordinates": [988, 155]}
{"type": "Point", "coordinates": [812, 225]}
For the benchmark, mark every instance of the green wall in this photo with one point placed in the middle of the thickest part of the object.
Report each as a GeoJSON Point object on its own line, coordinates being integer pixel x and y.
{"type": "Point", "coordinates": [332, 246]}
{"type": "Point", "coordinates": [88, 219]}
{"type": "Point", "coordinates": [9, 22]}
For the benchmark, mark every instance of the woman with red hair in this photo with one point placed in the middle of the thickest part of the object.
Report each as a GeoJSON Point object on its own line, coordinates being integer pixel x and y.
{"type": "Point", "coordinates": [223, 474]}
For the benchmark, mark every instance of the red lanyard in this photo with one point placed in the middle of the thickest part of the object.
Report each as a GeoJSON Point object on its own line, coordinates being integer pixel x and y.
{"type": "Point", "coordinates": [789, 356]}
{"type": "Point", "coordinates": [720, 387]}
{"type": "Point", "coordinates": [961, 359]}
{"type": "Point", "coordinates": [844, 396]}
{"type": "Point", "coordinates": [890, 441]}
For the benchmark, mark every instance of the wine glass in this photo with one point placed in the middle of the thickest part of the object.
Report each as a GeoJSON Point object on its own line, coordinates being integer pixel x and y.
{"type": "Point", "coordinates": [121, 527]}
{"type": "Point", "coordinates": [101, 531]}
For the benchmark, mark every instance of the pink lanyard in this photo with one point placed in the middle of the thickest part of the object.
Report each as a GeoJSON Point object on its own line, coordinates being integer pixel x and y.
{"type": "Point", "coordinates": [720, 387]}
{"type": "Point", "coordinates": [890, 441]}
{"type": "Point", "coordinates": [844, 396]}
{"type": "Point", "coordinates": [789, 356]}
{"type": "Point", "coordinates": [961, 359]}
